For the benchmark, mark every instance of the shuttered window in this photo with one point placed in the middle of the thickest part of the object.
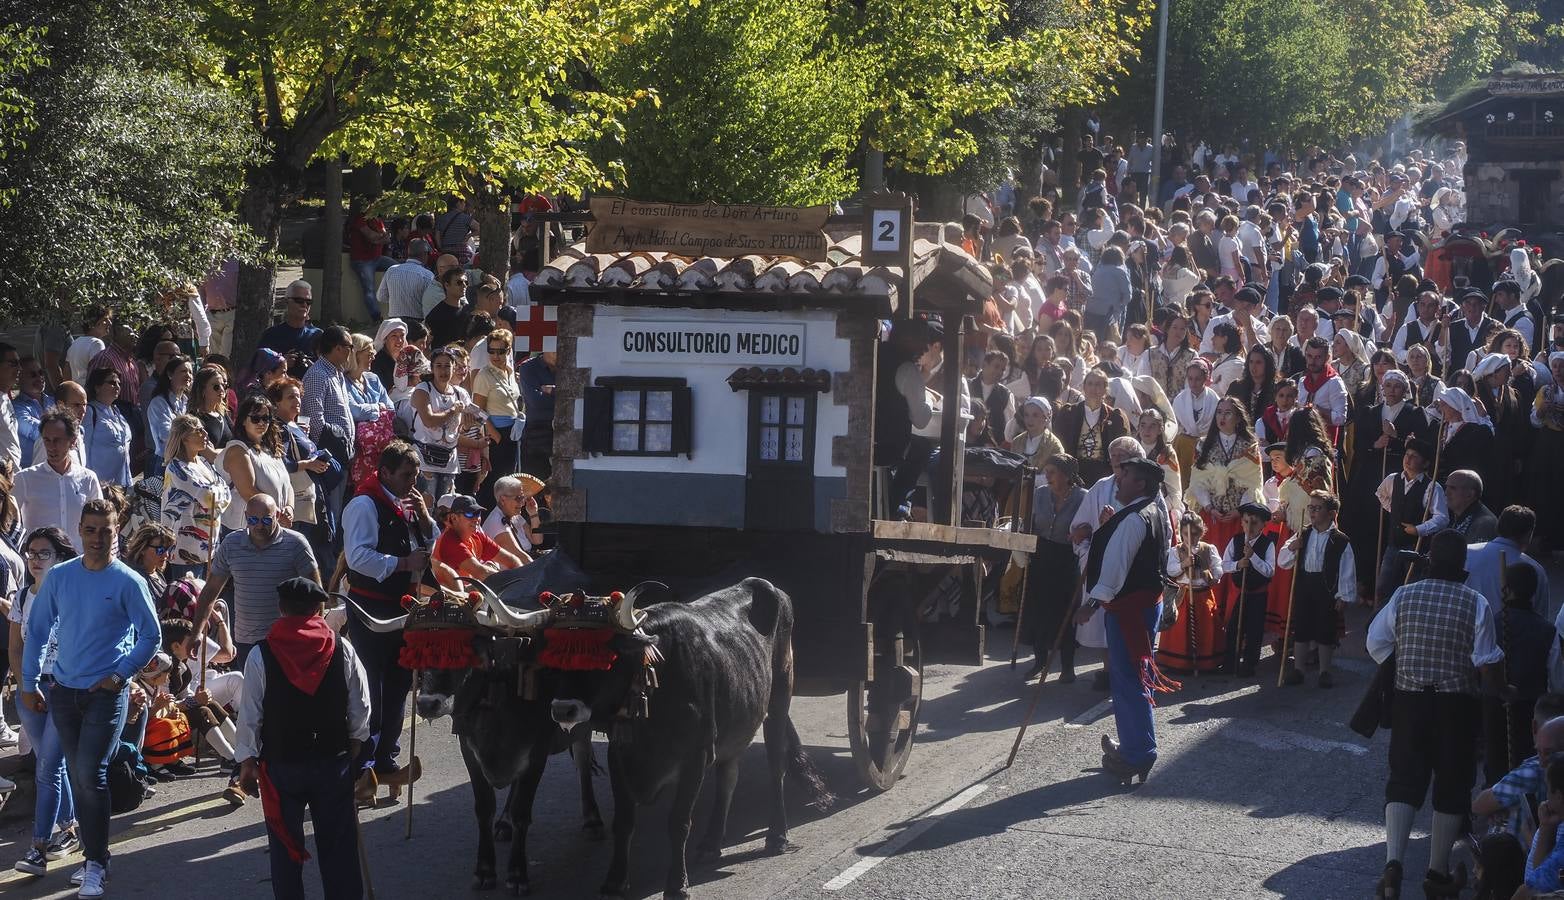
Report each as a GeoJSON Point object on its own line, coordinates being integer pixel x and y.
{"type": "Point", "coordinates": [637, 417]}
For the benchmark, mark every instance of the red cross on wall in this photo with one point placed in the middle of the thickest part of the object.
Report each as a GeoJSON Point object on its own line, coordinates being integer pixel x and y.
{"type": "Point", "coordinates": [537, 329]}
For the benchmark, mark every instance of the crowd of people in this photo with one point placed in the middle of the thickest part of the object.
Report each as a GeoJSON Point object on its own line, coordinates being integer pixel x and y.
{"type": "Point", "coordinates": [143, 462]}
{"type": "Point", "coordinates": [1255, 370]}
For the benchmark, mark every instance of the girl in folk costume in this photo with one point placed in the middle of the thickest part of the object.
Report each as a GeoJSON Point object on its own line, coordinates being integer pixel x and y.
{"type": "Point", "coordinates": [1544, 474]}
{"type": "Point", "coordinates": [1227, 365]}
{"type": "Point", "coordinates": [1171, 358]}
{"type": "Point", "coordinates": [1381, 432]}
{"type": "Point", "coordinates": [1306, 462]}
{"type": "Point", "coordinates": [1326, 583]}
{"type": "Point", "coordinates": [1424, 386]}
{"type": "Point", "coordinates": [1151, 431]}
{"type": "Point", "coordinates": [1414, 507]}
{"type": "Point", "coordinates": [1194, 409]}
{"type": "Point", "coordinates": [1087, 428]}
{"type": "Point", "coordinates": [1272, 425]}
{"type": "Point", "coordinates": [1468, 435]}
{"type": "Point", "coordinates": [1257, 387]}
{"type": "Point", "coordinates": [1511, 427]}
{"type": "Point", "coordinates": [1226, 474]}
{"type": "Point", "coordinates": [1035, 441]}
{"type": "Point", "coordinates": [1249, 562]}
{"type": "Point", "coordinates": [1198, 642]}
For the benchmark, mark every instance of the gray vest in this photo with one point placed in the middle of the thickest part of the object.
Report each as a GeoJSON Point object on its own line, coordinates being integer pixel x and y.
{"type": "Point", "coordinates": [1436, 629]}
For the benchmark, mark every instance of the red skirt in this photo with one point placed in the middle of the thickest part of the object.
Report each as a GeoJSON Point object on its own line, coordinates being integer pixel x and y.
{"type": "Point", "coordinates": [1198, 643]}
{"type": "Point", "coordinates": [1219, 534]}
{"type": "Point", "coordinates": [1280, 587]}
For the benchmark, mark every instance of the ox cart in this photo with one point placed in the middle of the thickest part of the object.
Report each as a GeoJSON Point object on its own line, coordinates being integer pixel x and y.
{"type": "Point", "coordinates": [715, 419]}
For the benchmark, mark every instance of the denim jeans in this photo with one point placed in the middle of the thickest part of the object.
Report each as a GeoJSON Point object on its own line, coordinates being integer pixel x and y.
{"type": "Point", "coordinates": [1131, 697]}
{"type": "Point", "coordinates": [89, 722]}
{"type": "Point", "coordinates": [53, 805]}
{"type": "Point", "coordinates": [365, 269]}
{"type": "Point", "coordinates": [325, 786]}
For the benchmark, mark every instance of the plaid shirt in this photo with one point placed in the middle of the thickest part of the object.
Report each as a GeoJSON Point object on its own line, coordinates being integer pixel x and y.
{"type": "Point", "coordinates": [1513, 789]}
{"type": "Point", "coordinates": [326, 400]}
{"type": "Point", "coordinates": [1440, 631]}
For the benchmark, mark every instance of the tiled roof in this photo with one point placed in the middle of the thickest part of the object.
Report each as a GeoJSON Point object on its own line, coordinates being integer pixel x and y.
{"type": "Point", "coordinates": [841, 275]}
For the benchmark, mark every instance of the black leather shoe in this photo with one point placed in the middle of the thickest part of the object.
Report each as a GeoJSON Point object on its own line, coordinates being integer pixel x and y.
{"type": "Point", "coordinates": [1389, 887]}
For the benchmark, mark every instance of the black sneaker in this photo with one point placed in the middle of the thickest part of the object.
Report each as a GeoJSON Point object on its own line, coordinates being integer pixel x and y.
{"type": "Point", "coordinates": [180, 769]}
{"type": "Point", "coordinates": [34, 863]}
{"type": "Point", "coordinates": [62, 845]}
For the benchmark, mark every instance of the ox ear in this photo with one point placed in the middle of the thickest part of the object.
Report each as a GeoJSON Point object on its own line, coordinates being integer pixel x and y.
{"type": "Point", "coordinates": [633, 643]}
{"type": "Point", "coordinates": [647, 593]}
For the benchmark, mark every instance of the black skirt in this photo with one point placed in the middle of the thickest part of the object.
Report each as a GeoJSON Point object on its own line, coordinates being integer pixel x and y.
{"type": "Point", "coordinates": [1051, 580]}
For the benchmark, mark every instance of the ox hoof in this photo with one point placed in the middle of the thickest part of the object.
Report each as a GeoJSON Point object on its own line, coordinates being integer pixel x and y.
{"type": "Point", "coordinates": [780, 845]}
{"type": "Point", "coordinates": [483, 881]}
{"type": "Point", "coordinates": [611, 890]}
{"type": "Point", "coordinates": [518, 888]}
{"type": "Point", "coordinates": [503, 831]}
{"type": "Point", "coordinates": [594, 831]}
{"type": "Point", "coordinates": [708, 854]}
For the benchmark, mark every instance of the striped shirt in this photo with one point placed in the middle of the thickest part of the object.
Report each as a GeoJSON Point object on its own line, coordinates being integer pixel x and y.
{"type": "Point", "coordinates": [326, 400]}
{"type": "Point", "coordinates": [256, 572]}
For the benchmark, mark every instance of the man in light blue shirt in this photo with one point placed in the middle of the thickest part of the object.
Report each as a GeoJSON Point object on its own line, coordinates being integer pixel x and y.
{"type": "Point", "coordinates": [106, 630]}
{"type": "Point", "coordinates": [1485, 563]}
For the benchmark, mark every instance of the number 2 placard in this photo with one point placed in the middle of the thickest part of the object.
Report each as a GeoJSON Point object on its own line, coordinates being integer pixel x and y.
{"type": "Point", "coordinates": [885, 231]}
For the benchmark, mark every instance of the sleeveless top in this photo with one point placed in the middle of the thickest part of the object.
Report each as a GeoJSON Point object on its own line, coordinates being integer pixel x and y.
{"type": "Point", "coordinates": [271, 478]}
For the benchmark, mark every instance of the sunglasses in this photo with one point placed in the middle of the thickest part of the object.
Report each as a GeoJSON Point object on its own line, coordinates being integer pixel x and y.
{"type": "Point", "coordinates": [253, 521]}
{"type": "Point", "coordinates": [472, 514]}
{"type": "Point", "coordinates": [38, 555]}
{"type": "Point", "coordinates": [493, 348]}
{"type": "Point", "coordinates": [161, 551]}
{"type": "Point", "coordinates": [260, 419]}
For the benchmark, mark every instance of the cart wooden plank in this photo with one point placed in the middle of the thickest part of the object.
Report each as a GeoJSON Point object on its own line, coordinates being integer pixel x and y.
{"type": "Point", "coordinates": [930, 533]}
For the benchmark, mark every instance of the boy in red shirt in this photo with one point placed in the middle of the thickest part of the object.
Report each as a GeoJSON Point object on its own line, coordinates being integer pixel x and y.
{"type": "Point", "coordinates": [462, 545]}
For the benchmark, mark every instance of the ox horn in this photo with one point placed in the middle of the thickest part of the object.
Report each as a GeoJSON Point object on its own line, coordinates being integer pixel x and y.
{"type": "Point", "coordinates": [625, 616]}
{"type": "Point", "coordinates": [502, 615]}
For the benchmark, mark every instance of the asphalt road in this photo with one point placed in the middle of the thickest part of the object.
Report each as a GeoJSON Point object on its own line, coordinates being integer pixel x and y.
{"type": "Point", "coordinates": [1260, 792]}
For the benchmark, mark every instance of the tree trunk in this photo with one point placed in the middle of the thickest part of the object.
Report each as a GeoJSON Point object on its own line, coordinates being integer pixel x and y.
{"type": "Point", "coordinates": [266, 190]}
{"type": "Point", "coordinates": [331, 246]}
{"type": "Point", "coordinates": [1070, 174]}
{"type": "Point", "coordinates": [492, 210]}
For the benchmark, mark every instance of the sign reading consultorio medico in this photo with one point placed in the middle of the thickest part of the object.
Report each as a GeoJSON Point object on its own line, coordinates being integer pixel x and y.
{"type": "Point", "coordinates": [707, 229]}
{"type": "Point", "coordinates": [706, 343]}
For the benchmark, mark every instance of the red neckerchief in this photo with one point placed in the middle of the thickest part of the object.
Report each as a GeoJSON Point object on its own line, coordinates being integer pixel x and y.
{"type": "Point", "coordinates": [1314, 384]}
{"type": "Point", "coordinates": [372, 488]}
{"type": "Point", "coordinates": [302, 646]}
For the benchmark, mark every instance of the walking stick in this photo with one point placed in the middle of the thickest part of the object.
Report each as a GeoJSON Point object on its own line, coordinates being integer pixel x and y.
{"type": "Point", "coordinates": [1292, 591]}
{"type": "Point", "coordinates": [1504, 664]}
{"type": "Point", "coordinates": [412, 756]}
{"type": "Point", "coordinates": [1238, 638]}
{"type": "Point", "coordinates": [1428, 498]}
{"type": "Point", "coordinates": [363, 856]}
{"type": "Point", "coordinates": [1037, 694]}
{"type": "Point", "coordinates": [1189, 597]}
{"type": "Point", "coordinates": [1379, 542]}
{"type": "Point", "coordinates": [1024, 505]}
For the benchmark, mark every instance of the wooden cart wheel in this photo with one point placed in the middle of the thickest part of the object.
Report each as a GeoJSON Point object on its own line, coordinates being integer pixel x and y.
{"type": "Point", "coordinates": [882, 715]}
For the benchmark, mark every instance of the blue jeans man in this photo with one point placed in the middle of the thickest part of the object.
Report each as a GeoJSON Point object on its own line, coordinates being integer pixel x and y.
{"type": "Point", "coordinates": [89, 722]}
{"type": "Point", "coordinates": [1131, 696]}
{"type": "Point", "coordinates": [365, 269]}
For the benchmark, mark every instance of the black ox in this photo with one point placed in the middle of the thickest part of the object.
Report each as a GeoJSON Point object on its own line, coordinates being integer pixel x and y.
{"type": "Point", "coordinates": [689, 688]}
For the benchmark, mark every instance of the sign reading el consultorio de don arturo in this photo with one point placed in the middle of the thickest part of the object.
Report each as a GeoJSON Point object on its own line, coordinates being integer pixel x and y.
{"type": "Point", "coordinates": [707, 229]}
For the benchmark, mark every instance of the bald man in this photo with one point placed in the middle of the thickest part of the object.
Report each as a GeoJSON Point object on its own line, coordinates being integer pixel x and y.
{"type": "Point", "coordinates": [257, 559]}
{"type": "Point", "coordinates": [1507, 794]}
{"type": "Point", "coordinates": [434, 294]}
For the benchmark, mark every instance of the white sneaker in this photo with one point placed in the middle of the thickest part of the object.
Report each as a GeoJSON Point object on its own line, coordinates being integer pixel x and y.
{"type": "Point", "coordinates": [8, 736]}
{"type": "Point", "coordinates": [6, 785]}
{"type": "Point", "coordinates": [81, 872]}
{"type": "Point", "coordinates": [92, 880]}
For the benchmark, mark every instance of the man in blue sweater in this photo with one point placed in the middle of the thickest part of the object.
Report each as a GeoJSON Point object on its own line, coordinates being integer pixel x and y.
{"type": "Point", "coordinates": [102, 617]}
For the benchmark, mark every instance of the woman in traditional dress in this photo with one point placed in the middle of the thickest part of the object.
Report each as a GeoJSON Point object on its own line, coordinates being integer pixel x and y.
{"type": "Point", "coordinates": [1050, 589]}
{"type": "Point", "coordinates": [1227, 360]}
{"type": "Point", "coordinates": [1197, 643]}
{"type": "Point", "coordinates": [1545, 477]}
{"type": "Point", "coordinates": [1151, 431]}
{"type": "Point", "coordinates": [1087, 428]}
{"type": "Point", "coordinates": [1226, 473]}
{"type": "Point", "coordinates": [1194, 408]}
{"type": "Point", "coordinates": [1423, 385]}
{"type": "Point", "coordinates": [1511, 429]}
{"type": "Point", "coordinates": [1170, 358]}
{"type": "Point", "coordinates": [1381, 431]}
{"type": "Point", "coordinates": [1035, 441]}
{"type": "Point", "coordinates": [1257, 386]}
{"type": "Point", "coordinates": [1468, 435]}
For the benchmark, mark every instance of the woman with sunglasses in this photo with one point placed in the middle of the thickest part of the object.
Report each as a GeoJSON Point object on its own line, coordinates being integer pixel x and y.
{"type": "Point", "coordinates": [209, 404]}
{"type": "Point", "coordinates": [148, 552]}
{"type": "Point", "coordinates": [496, 392]}
{"type": "Point", "coordinates": [438, 404]}
{"type": "Point", "coordinates": [311, 470]}
{"type": "Point", "coordinates": [194, 496]}
{"type": "Point", "coordinates": [253, 464]}
{"type": "Point", "coordinates": [105, 432]}
{"type": "Point", "coordinates": [370, 403]}
{"type": "Point", "coordinates": [170, 398]}
{"type": "Point", "coordinates": [54, 812]}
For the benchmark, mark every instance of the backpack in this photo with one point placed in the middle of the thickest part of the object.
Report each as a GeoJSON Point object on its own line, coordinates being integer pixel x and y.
{"type": "Point", "coordinates": [127, 779]}
{"type": "Point", "coordinates": [168, 740]}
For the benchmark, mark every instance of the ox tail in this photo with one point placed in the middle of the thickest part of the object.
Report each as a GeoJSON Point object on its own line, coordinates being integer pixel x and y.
{"type": "Point", "coordinates": [803, 770]}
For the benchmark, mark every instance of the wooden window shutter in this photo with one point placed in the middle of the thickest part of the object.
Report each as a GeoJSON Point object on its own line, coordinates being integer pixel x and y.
{"type": "Point", "coordinates": [683, 421]}
{"type": "Point", "coordinates": [597, 419]}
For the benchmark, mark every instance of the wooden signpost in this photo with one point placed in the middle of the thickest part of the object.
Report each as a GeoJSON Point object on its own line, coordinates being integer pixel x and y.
{"type": "Point", "coordinates": [708, 229]}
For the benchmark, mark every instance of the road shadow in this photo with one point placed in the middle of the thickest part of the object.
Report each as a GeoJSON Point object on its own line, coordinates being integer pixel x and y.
{"type": "Point", "coordinates": [1337, 875]}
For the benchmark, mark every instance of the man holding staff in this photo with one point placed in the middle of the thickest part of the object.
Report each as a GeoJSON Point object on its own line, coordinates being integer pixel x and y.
{"type": "Point", "coordinates": [1321, 589]}
{"type": "Point", "coordinates": [1124, 579]}
{"type": "Point", "coordinates": [1416, 508]}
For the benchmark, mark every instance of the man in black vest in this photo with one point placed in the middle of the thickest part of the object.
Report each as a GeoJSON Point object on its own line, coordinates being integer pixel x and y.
{"type": "Point", "coordinates": [303, 714]}
{"type": "Point", "coordinates": [1124, 577]}
{"type": "Point", "coordinates": [1250, 561]}
{"type": "Point", "coordinates": [1471, 331]}
{"type": "Point", "coordinates": [1323, 586]}
{"type": "Point", "coordinates": [1416, 507]}
{"type": "Point", "coordinates": [387, 531]}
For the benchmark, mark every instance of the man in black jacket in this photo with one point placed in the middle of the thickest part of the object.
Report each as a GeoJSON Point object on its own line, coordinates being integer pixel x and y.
{"type": "Point", "coordinates": [303, 714]}
{"type": "Point", "coordinates": [1468, 514]}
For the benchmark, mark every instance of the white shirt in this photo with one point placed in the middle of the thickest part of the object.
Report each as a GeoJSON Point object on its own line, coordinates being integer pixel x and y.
{"type": "Point", "coordinates": [1314, 561]}
{"type": "Point", "coordinates": [1251, 242]}
{"type": "Point", "coordinates": [1123, 544]}
{"type": "Point", "coordinates": [1135, 364]}
{"type": "Point", "coordinates": [79, 356]}
{"type": "Point", "coordinates": [1382, 632]}
{"type": "Point", "coordinates": [1239, 190]}
{"type": "Point", "coordinates": [251, 701]}
{"type": "Point", "coordinates": [401, 291]}
{"type": "Point", "coordinates": [10, 439]}
{"type": "Point", "coordinates": [1399, 344]}
{"type": "Point", "coordinates": [494, 525]}
{"type": "Point", "coordinates": [199, 321]}
{"type": "Point", "coordinates": [1330, 400]}
{"type": "Point", "coordinates": [361, 533]}
{"type": "Point", "coordinates": [1435, 521]}
{"type": "Point", "coordinates": [1520, 320]}
{"type": "Point", "coordinates": [1195, 419]}
{"type": "Point", "coordinates": [1264, 564]}
{"type": "Point", "coordinates": [45, 497]}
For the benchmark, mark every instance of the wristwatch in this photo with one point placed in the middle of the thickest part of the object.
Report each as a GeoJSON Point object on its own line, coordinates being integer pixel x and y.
{"type": "Point", "coordinates": [1092, 603]}
{"type": "Point", "coordinates": [118, 680]}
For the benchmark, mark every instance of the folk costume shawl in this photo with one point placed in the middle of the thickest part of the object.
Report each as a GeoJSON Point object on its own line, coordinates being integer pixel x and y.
{"type": "Point", "coordinates": [1228, 480]}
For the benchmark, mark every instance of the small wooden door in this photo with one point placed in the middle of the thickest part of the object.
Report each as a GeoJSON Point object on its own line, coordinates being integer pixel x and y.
{"type": "Point", "coordinates": [779, 493]}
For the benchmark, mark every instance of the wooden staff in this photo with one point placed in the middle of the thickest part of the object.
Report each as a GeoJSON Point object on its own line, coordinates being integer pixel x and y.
{"type": "Point", "coordinates": [1292, 591]}
{"type": "Point", "coordinates": [1024, 505]}
{"type": "Point", "coordinates": [1379, 542]}
{"type": "Point", "coordinates": [412, 756]}
{"type": "Point", "coordinates": [1238, 638]}
{"type": "Point", "coordinates": [1504, 664]}
{"type": "Point", "coordinates": [1037, 694]}
{"type": "Point", "coordinates": [363, 856]}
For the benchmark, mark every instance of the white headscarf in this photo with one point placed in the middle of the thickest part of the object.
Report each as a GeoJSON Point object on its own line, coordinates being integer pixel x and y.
{"type": "Point", "coordinates": [1354, 342]}
{"type": "Point", "coordinates": [1460, 400]}
{"type": "Point", "coordinates": [1122, 390]}
{"type": "Point", "coordinates": [1490, 364]}
{"type": "Point", "coordinates": [1396, 375]}
{"type": "Point", "coordinates": [384, 331]}
{"type": "Point", "coordinates": [1042, 404]}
